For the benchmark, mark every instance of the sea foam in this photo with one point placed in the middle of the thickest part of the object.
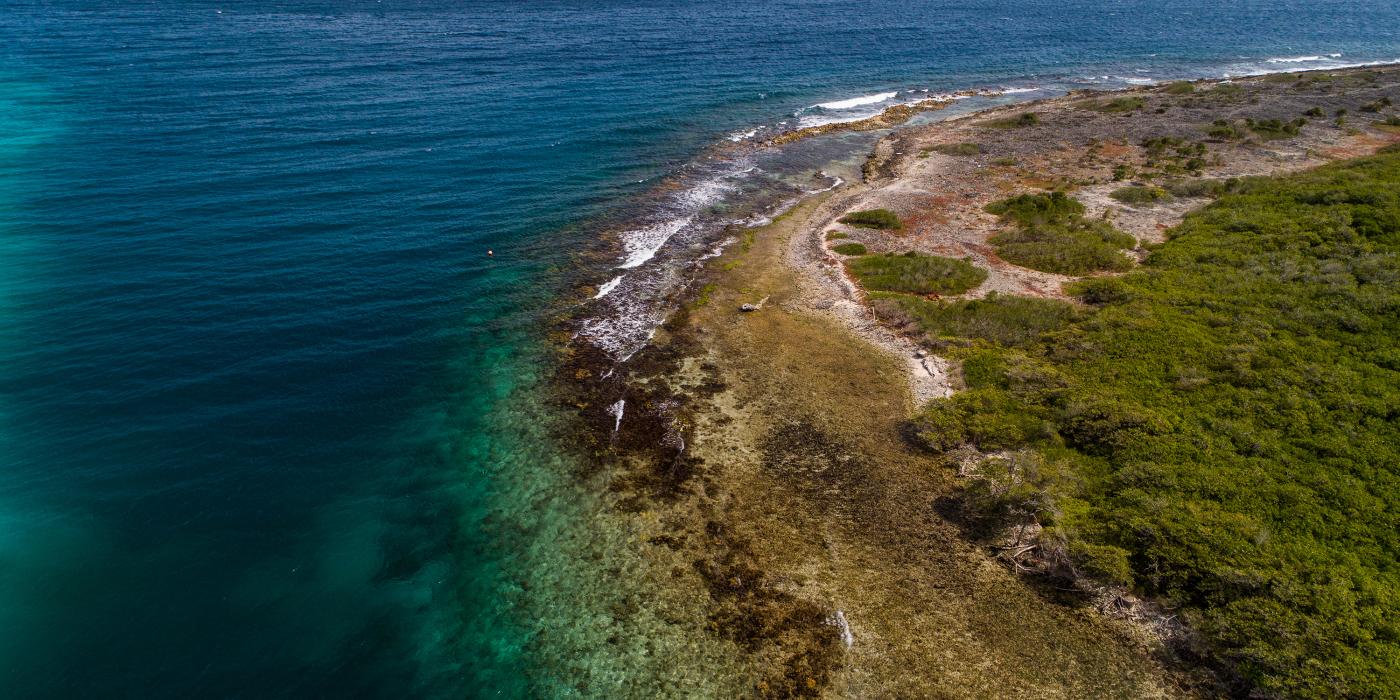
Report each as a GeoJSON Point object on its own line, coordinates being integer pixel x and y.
{"type": "Point", "coordinates": [640, 245]}
{"type": "Point", "coordinates": [857, 101]}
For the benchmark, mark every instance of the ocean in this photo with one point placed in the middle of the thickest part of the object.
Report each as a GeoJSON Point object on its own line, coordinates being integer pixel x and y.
{"type": "Point", "coordinates": [275, 424]}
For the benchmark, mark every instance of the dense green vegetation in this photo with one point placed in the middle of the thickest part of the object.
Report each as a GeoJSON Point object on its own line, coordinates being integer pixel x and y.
{"type": "Point", "coordinates": [1051, 234]}
{"type": "Point", "coordinates": [1179, 88]}
{"type": "Point", "coordinates": [916, 274]}
{"type": "Point", "coordinates": [873, 218]}
{"type": "Point", "coordinates": [1006, 320]}
{"type": "Point", "coordinates": [1222, 432]}
{"type": "Point", "coordinates": [850, 249]}
{"type": "Point", "coordinates": [1137, 195]}
{"type": "Point", "coordinates": [836, 235]}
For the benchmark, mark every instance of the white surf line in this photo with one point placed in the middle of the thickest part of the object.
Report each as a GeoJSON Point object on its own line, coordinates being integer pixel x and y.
{"type": "Point", "coordinates": [616, 410]}
{"type": "Point", "coordinates": [857, 101]}
{"type": "Point", "coordinates": [608, 287]}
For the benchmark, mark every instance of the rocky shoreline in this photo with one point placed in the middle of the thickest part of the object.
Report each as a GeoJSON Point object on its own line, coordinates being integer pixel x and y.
{"type": "Point", "coordinates": [762, 452]}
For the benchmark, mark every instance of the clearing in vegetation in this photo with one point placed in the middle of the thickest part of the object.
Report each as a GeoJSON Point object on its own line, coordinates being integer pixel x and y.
{"type": "Point", "coordinates": [912, 273]}
{"type": "Point", "coordinates": [1051, 234]}
{"type": "Point", "coordinates": [1008, 320]}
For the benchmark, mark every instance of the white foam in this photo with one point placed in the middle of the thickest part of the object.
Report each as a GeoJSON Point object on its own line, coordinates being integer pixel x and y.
{"type": "Point", "coordinates": [616, 411]}
{"type": "Point", "coordinates": [839, 620]}
{"type": "Point", "coordinates": [705, 193]}
{"type": "Point", "coordinates": [1295, 59]}
{"type": "Point", "coordinates": [608, 287]}
{"type": "Point", "coordinates": [743, 135]}
{"type": "Point", "coordinates": [1019, 90]}
{"type": "Point", "coordinates": [1255, 70]}
{"type": "Point", "coordinates": [857, 101]}
{"type": "Point", "coordinates": [808, 122]}
{"type": "Point", "coordinates": [836, 181]}
{"type": "Point", "coordinates": [640, 245]}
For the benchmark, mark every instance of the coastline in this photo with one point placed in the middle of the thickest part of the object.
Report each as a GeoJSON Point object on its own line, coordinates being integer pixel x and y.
{"type": "Point", "coordinates": [766, 449]}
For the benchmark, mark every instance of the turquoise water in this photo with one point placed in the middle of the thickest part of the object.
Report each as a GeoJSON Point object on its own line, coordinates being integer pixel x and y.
{"type": "Point", "coordinates": [273, 423]}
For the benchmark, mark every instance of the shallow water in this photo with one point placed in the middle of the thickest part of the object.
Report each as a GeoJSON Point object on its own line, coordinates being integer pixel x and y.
{"type": "Point", "coordinates": [272, 419]}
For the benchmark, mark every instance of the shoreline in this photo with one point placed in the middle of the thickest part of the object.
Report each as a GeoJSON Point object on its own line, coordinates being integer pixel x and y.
{"type": "Point", "coordinates": [719, 398]}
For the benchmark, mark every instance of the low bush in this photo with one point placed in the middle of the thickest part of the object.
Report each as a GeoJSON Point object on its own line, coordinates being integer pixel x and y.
{"type": "Point", "coordinates": [1034, 209]}
{"type": "Point", "coordinates": [1274, 128]}
{"type": "Point", "coordinates": [1100, 291]}
{"type": "Point", "coordinates": [1138, 196]}
{"type": "Point", "coordinates": [1226, 130]}
{"type": "Point", "coordinates": [836, 235]}
{"type": "Point", "coordinates": [1203, 188]}
{"type": "Point", "coordinates": [958, 149]}
{"type": "Point", "coordinates": [1007, 320]}
{"type": "Point", "coordinates": [850, 249]}
{"type": "Point", "coordinates": [1052, 235]}
{"type": "Point", "coordinates": [873, 218]}
{"type": "Point", "coordinates": [1376, 106]}
{"type": "Point", "coordinates": [916, 274]}
{"type": "Point", "coordinates": [1180, 87]}
{"type": "Point", "coordinates": [1117, 105]}
{"type": "Point", "coordinates": [1013, 122]}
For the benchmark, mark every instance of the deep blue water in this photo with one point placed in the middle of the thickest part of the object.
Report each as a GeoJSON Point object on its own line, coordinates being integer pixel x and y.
{"type": "Point", "coordinates": [269, 415]}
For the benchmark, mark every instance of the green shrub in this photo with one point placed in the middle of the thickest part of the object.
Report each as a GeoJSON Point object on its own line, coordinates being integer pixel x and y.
{"type": "Point", "coordinates": [1376, 106]}
{"type": "Point", "coordinates": [873, 218]}
{"type": "Point", "coordinates": [1052, 235]}
{"type": "Point", "coordinates": [1137, 195]}
{"type": "Point", "coordinates": [836, 235]}
{"type": "Point", "coordinates": [1274, 128]}
{"type": "Point", "coordinates": [1315, 112]}
{"type": "Point", "coordinates": [1100, 291]}
{"type": "Point", "coordinates": [916, 274]}
{"type": "Point", "coordinates": [1114, 106]}
{"type": "Point", "coordinates": [1013, 122]}
{"type": "Point", "coordinates": [1180, 87]}
{"type": "Point", "coordinates": [1207, 188]}
{"type": "Point", "coordinates": [1030, 209]}
{"type": "Point", "coordinates": [850, 249]}
{"type": "Point", "coordinates": [1008, 320]}
{"type": "Point", "coordinates": [958, 149]}
{"type": "Point", "coordinates": [1225, 130]}
{"type": "Point", "coordinates": [1004, 162]}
